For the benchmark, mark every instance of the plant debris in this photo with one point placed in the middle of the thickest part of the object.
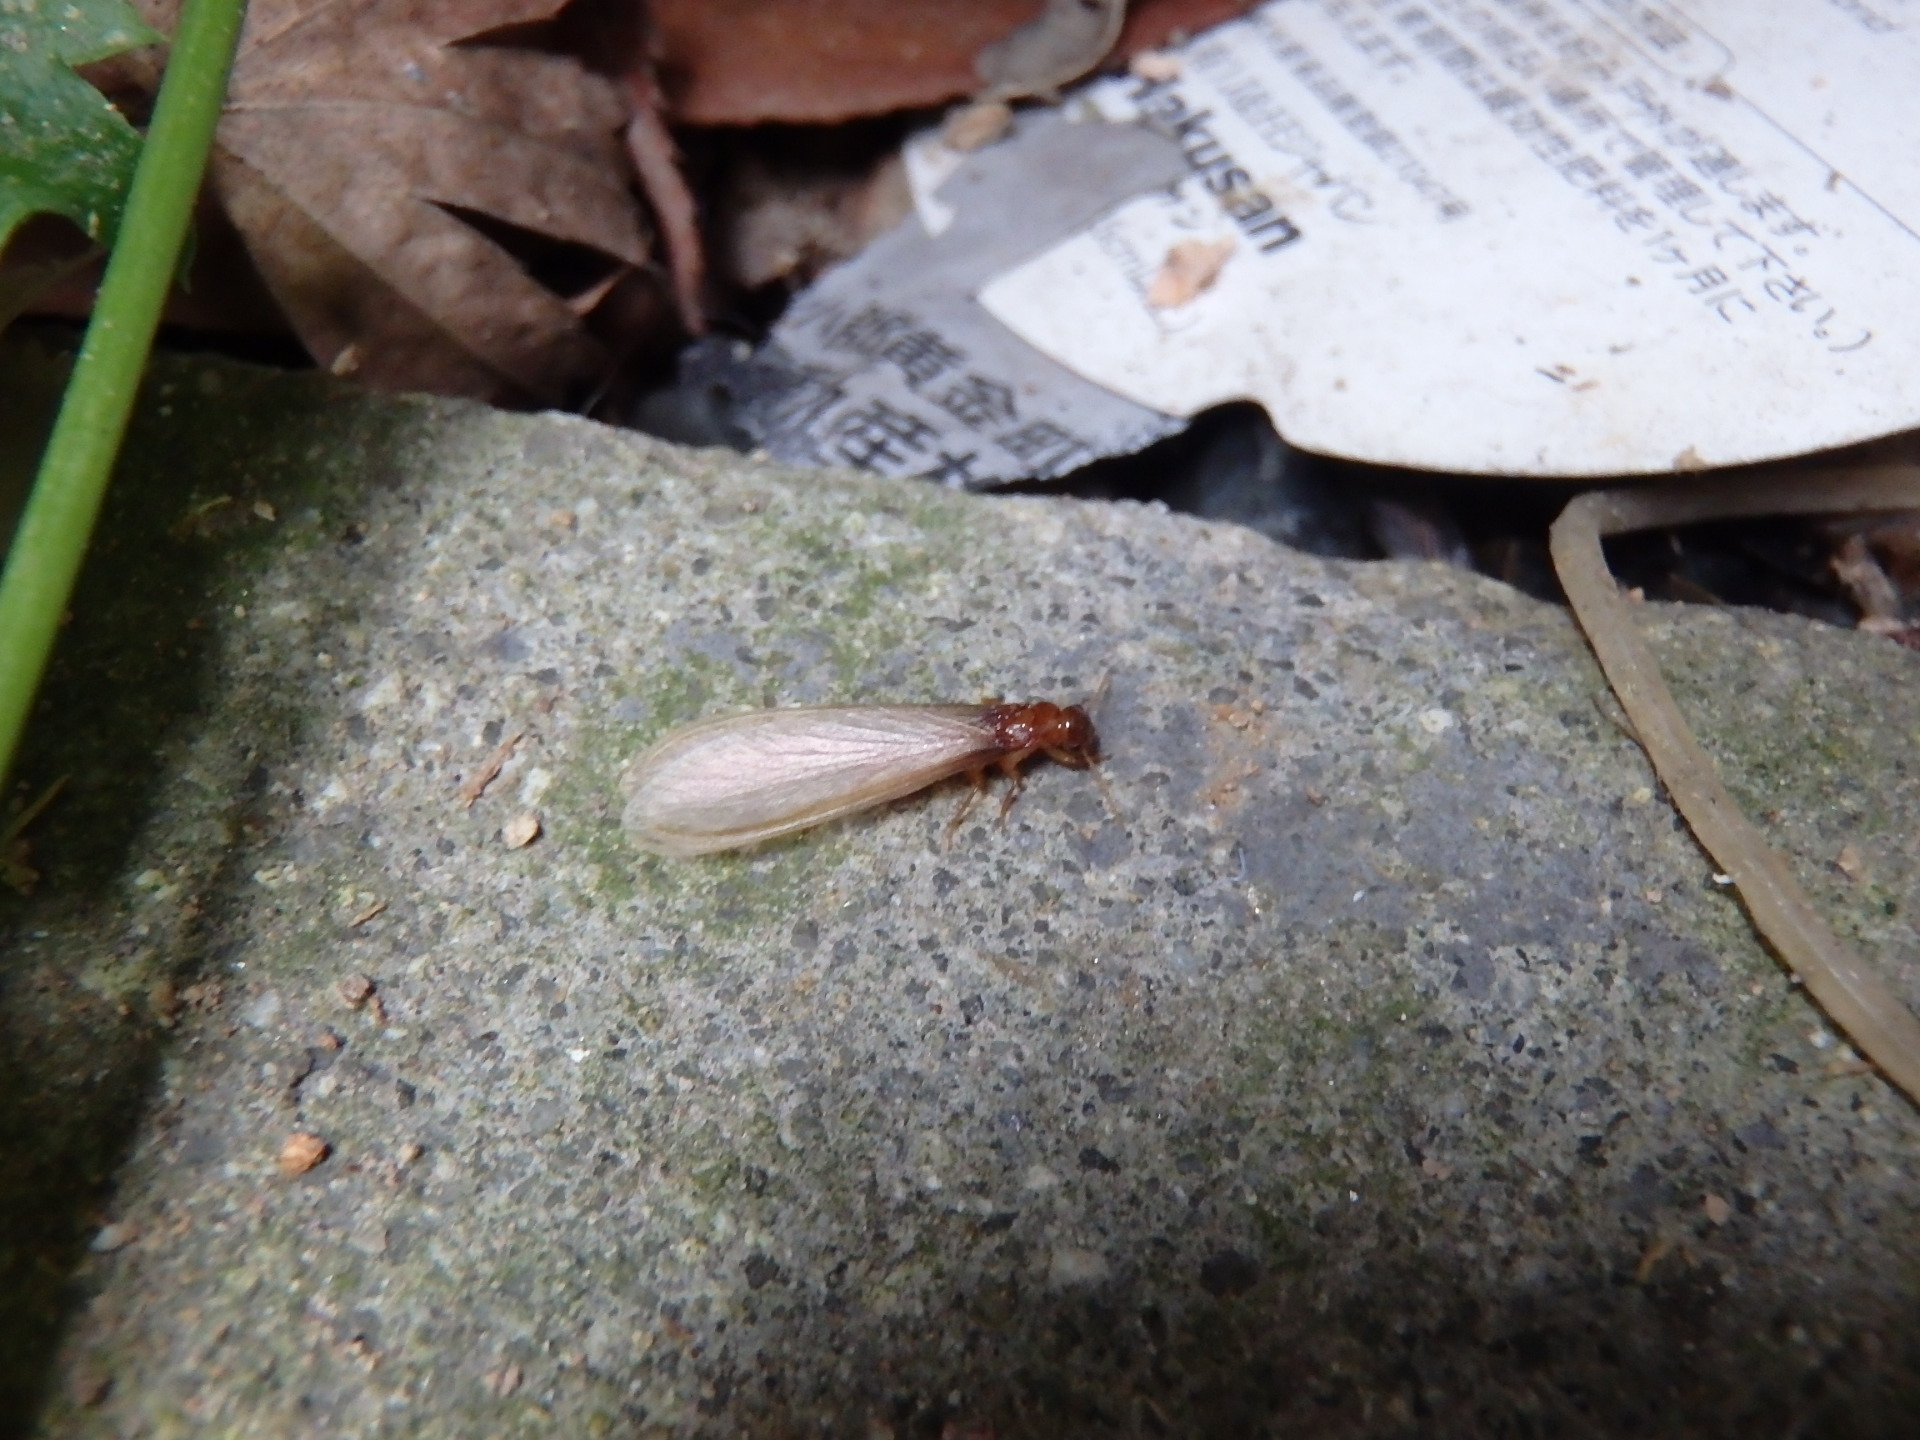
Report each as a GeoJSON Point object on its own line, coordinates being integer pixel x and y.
{"type": "Point", "coordinates": [379, 197]}
{"type": "Point", "coordinates": [16, 851]}
{"type": "Point", "coordinates": [1059, 45]}
{"type": "Point", "coordinates": [1857, 999]}
{"type": "Point", "coordinates": [1190, 268]}
{"type": "Point", "coordinates": [476, 784]}
{"type": "Point", "coordinates": [302, 1151]}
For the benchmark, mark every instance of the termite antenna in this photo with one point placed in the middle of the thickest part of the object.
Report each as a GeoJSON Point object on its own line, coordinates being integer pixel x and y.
{"type": "Point", "coordinates": [1106, 792]}
{"type": "Point", "coordinates": [1099, 698]}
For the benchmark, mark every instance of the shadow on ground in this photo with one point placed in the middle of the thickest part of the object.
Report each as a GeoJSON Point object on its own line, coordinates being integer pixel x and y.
{"type": "Point", "coordinates": [120, 707]}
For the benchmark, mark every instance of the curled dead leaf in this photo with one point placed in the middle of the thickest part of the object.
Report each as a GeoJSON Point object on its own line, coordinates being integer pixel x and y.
{"type": "Point", "coordinates": [375, 154]}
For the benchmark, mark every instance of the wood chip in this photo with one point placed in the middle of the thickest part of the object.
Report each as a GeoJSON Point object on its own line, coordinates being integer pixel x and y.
{"type": "Point", "coordinates": [1658, 1250]}
{"type": "Point", "coordinates": [301, 1152]}
{"type": "Point", "coordinates": [376, 908]}
{"type": "Point", "coordinates": [1156, 67]}
{"type": "Point", "coordinates": [504, 1381]}
{"type": "Point", "coordinates": [521, 831]}
{"type": "Point", "coordinates": [1191, 267]}
{"type": "Point", "coordinates": [972, 127]}
{"type": "Point", "coordinates": [1849, 861]}
{"type": "Point", "coordinates": [476, 784]}
{"type": "Point", "coordinates": [1870, 587]}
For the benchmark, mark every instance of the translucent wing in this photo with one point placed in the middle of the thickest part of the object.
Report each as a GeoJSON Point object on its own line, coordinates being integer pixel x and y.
{"type": "Point", "coordinates": [719, 784]}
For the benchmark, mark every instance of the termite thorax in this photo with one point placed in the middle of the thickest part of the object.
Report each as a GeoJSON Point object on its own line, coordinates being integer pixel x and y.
{"type": "Point", "coordinates": [1042, 725]}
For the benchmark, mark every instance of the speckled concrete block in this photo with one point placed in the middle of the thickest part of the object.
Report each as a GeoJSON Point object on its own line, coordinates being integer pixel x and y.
{"type": "Point", "coordinates": [1377, 1056]}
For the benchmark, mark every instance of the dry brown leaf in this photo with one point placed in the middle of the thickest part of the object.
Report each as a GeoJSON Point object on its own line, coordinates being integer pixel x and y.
{"type": "Point", "coordinates": [744, 62]}
{"type": "Point", "coordinates": [355, 129]}
{"type": "Point", "coordinates": [656, 160]}
{"type": "Point", "coordinates": [778, 219]}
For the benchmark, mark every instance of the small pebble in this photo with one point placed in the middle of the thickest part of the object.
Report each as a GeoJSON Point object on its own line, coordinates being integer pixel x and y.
{"type": "Point", "coordinates": [356, 990]}
{"type": "Point", "coordinates": [116, 1236]}
{"type": "Point", "coordinates": [301, 1152]}
{"type": "Point", "coordinates": [521, 831]}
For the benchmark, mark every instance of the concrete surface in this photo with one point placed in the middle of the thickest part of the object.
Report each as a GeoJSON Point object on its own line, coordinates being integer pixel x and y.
{"type": "Point", "coordinates": [1379, 1057]}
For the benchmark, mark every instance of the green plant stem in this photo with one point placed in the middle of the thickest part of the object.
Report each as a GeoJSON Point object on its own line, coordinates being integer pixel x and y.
{"type": "Point", "coordinates": [51, 540]}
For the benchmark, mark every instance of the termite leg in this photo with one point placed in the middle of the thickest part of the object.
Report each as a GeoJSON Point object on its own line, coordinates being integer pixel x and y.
{"type": "Point", "coordinates": [1016, 779]}
{"type": "Point", "coordinates": [979, 779]}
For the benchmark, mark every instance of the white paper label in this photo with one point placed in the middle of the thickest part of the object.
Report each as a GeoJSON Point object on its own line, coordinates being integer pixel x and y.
{"type": "Point", "coordinates": [1534, 237]}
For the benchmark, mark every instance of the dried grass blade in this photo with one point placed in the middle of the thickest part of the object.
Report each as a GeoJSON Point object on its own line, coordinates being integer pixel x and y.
{"type": "Point", "coordinates": [1857, 999]}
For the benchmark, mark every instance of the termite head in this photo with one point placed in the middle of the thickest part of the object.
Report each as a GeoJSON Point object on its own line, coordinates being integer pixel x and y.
{"type": "Point", "coordinates": [1067, 730]}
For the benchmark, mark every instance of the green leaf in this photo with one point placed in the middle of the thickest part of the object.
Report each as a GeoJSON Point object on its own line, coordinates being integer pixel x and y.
{"type": "Point", "coordinates": [63, 149]}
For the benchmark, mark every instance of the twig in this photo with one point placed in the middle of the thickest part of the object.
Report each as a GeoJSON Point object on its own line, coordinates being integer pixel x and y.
{"type": "Point", "coordinates": [476, 784]}
{"type": "Point", "coordinates": [17, 826]}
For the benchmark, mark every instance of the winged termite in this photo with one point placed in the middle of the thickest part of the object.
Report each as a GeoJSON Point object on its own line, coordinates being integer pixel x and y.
{"type": "Point", "coordinates": [735, 780]}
